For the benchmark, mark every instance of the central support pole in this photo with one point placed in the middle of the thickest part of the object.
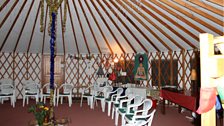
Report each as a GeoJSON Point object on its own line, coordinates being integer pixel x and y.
{"type": "Point", "coordinates": [52, 45]}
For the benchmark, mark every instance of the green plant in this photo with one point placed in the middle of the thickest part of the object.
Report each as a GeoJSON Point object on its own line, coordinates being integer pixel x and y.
{"type": "Point", "coordinates": [40, 111]}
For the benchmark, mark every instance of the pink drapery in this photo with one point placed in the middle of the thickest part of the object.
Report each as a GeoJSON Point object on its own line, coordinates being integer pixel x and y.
{"type": "Point", "coordinates": [207, 99]}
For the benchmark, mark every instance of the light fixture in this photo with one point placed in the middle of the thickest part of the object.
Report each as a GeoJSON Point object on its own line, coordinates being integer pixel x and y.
{"type": "Point", "coordinates": [219, 42]}
{"type": "Point", "coordinates": [53, 6]}
{"type": "Point", "coordinates": [116, 60]}
{"type": "Point", "coordinates": [193, 74]}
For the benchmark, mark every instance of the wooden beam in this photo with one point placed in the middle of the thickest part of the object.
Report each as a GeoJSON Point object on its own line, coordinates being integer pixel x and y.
{"type": "Point", "coordinates": [24, 23]}
{"type": "Point", "coordinates": [178, 16]}
{"type": "Point", "coordinates": [9, 12]}
{"type": "Point", "coordinates": [101, 31]}
{"type": "Point", "coordinates": [3, 5]}
{"type": "Point", "coordinates": [34, 25]}
{"type": "Point", "coordinates": [156, 26]}
{"type": "Point", "coordinates": [73, 30]}
{"type": "Point", "coordinates": [119, 29]}
{"type": "Point", "coordinates": [81, 27]}
{"type": "Point", "coordinates": [141, 22]}
{"type": "Point", "coordinates": [207, 6]}
{"type": "Point", "coordinates": [63, 36]}
{"type": "Point", "coordinates": [136, 27]}
{"type": "Point", "coordinates": [195, 18]}
{"type": "Point", "coordinates": [171, 68]}
{"type": "Point", "coordinates": [118, 42]}
{"type": "Point", "coordinates": [174, 22]}
{"type": "Point", "coordinates": [13, 24]}
{"type": "Point", "coordinates": [183, 69]}
{"type": "Point", "coordinates": [218, 2]}
{"type": "Point", "coordinates": [164, 23]}
{"type": "Point", "coordinates": [45, 24]}
{"type": "Point", "coordinates": [198, 11]}
{"type": "Point", "coordinates": [98, 11]}
{"type": "Point", "coordinates": [94, 37]}
{"type": "Point", "coordinates": [159, 69]}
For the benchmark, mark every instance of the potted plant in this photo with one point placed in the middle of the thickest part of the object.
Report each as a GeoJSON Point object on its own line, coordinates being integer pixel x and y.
{"type": "Point", "coordinates": [41, 113]}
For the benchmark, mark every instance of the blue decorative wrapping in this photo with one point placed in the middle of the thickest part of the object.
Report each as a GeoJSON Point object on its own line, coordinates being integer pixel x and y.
{"type": "Point", "coordinates": [52, 44]}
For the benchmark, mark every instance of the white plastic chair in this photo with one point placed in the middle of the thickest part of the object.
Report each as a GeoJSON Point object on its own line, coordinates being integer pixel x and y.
{"type": "Point", "coordinates": [112, 98]}
{"type": "Point", "coordinates": [102, 95]}
{"type": "Point", "coordinates": [125, 109]}
{"type": "Point", "coordinates": [102, 81]}
{"type": "Point", "coordinates": [30, 89]}
{"type": "Point", "coordinates": [66, 92]}
{"type": "Point", "coordinates": [142, 120]}
{"type": "Point", "coordinates": [131, 118]}
{"type": "Point", "coordinates": [45, 92]}
{"type": "Point", "coordinates": [6, 81]}
{"type": "Point", "coordinates": [128, 95]}
{"type": "Point", "coordinates": [86, 93]}
{"type": "Point", "coordinates": [7, 91]}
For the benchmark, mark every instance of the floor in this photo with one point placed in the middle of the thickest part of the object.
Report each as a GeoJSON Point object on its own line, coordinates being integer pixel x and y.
{"type": "Point", "coordinates": [84, 116]}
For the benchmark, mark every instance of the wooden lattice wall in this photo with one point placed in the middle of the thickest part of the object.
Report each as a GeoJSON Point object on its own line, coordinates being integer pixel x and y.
{"type": "Point", "coordinates": [82, 71]}
{"type": "Point", "coordinates": [20, 67]}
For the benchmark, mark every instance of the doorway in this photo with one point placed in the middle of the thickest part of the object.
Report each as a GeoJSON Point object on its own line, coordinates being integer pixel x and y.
{"type": "Point", "coordinates": [59, 69]}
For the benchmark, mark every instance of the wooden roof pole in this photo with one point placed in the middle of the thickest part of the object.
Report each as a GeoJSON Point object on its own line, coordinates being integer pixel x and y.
{"type": "Point", "coordinates": [9, 12]}
{"type": "Point", "coordinates": [174, 22]}
{"type": "Point", "coordinates": [98, 11]}
{"type": "Point", "coordinates": [164, 23]}
{"type": "Point", "coordinates": [63, 36]}
{"type": "Point", "coordinates": [87, 46]}
{"type": "Point", "coordinates": [34, 25]}
{"type": "Point", "coordinates": [119, 29]}
{"type": "Point", "coordinates": [218, 2]}
{"type": "Point", "coordinates": [44, 30]}
{"type": "Point", "coordinates": [73, 29]}
{"type": "Point", "coordinates": [142, 23]}
{"type": "Point", "coordinates": [157, 27]}
{"type": "Point", "coordinates": [21, 31]}
{"type": "Point", "coordinates": [13, 24]}
{"type": "Point", "coordinates": [178, 16]}
{"type": "Point", "coordinates": [91, 30]}
{"type": "Point", "coordinates": [193, 17]}
{"type": "Point", "coordinates": [101, 31]}
{"type": "Point", "coordinates": [208, 7]}
{"type": "Point", "coordinates": [4, 4]}
{"type": "Point", "coordinates": [200, 12]}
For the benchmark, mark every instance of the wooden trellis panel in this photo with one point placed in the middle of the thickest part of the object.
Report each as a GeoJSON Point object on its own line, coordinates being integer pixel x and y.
{"type": "Point", "coordinates": [166, 64]}
{"type": "Point", "coordinates": [189, 55]}
{"type": "Point", "coordinates": [6, 65]}
{"type": "Point", "coordinates": [82, 71]}
{"type": "Point", "coordinates": [178, 57]}
{"type": "Point", "coordinates": [34, 67]}
{"type": "Point", "coordinates": [149, 81]}
{"type": "Point", "coordinates": [20, 72]}
{"type": "Point", "coordinates": [153, 57]}
{"type": "Point", "coordinates": [71, 70]}
{"type": "Point", "coordinates": [194, 64]}
{"type": "Point", "coordinates": [20, 67]}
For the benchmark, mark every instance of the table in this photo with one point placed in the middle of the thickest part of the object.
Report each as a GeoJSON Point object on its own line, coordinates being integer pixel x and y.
{"type": "Point", "coordinates": [186, 101]}
{"type": "Point", "coordinates": [136, 91]}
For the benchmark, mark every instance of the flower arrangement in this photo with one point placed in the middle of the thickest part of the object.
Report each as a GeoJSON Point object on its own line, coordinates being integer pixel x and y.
{"type": "Point", "coordinates": [41, 113]}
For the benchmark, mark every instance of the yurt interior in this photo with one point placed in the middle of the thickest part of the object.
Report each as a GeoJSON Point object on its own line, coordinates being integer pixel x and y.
{"type": "Point", "coordinates": [111, 62]}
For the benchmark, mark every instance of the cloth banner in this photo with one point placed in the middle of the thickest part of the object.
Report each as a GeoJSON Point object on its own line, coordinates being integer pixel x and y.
{"type": "Point", "coordinates": [112, 76]}
{"type": "Point", "coordinates": [141, 67]}
{"type": "Point", "coordinates": [207, 99]}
